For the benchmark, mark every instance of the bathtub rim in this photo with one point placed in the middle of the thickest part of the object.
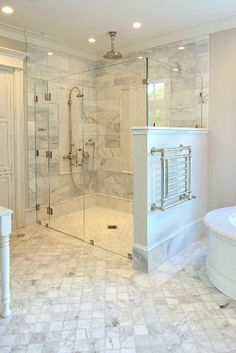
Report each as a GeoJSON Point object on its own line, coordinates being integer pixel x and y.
{"type": "Point", "coordinates": [225, 230]}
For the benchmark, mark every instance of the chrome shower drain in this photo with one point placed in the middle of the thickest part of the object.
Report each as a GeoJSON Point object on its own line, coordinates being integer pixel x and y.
{"type": "Point", "coordinates": [112, 226]}
{"type": "Point", "coordinates": [20, 235]}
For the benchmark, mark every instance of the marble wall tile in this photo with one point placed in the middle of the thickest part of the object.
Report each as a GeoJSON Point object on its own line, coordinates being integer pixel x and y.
{"type": "Point", "coordinates": [59, 62]}
{"type": "Point", "coordinates": [114, 102]}
{"type": "Point", "coordinates": [193, 62]}
{"type": "Point", "coordinates": [116, 203]}
{"type": "Point", "coordinates": [112, 141]}
{"type": "Point", "coordinates": [41, 67]}
{"type": "Point", "coordinates": [109, 164]}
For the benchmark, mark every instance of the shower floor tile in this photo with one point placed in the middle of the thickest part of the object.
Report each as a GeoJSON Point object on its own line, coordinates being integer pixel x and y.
{"type": "Point", "coordinates": [95, 228]}
{"type": "Point", "coordinates": [68, 296]}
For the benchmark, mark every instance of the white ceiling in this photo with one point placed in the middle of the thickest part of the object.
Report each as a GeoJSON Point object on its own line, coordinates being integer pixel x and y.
{"type": "Point", "coordinates": [74, 21]}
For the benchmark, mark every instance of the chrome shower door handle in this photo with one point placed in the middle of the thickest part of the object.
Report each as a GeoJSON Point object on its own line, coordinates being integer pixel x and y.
{"type": "Point", "coordinates": [68, 156]}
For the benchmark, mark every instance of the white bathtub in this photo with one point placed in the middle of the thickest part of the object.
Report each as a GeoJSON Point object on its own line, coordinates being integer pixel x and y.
{"type": "Point", "coordinates": [221, 258]}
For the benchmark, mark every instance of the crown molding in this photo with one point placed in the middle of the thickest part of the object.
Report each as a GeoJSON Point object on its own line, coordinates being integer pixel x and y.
{"type": "Point", "coordinates": [45, 41]}
{"type": "Point", "coordinates": [193, 32]}
{"type": "Point", "coordinates": [13, 53]}
{"type": "Point", "coordinates": [12, 32]}
{"type": "Point", "coordinates": [57, 45]}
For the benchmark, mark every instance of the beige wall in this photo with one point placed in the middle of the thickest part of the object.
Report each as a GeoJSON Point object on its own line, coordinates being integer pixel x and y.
{"type": "Point", "coordinates": [222, 149]}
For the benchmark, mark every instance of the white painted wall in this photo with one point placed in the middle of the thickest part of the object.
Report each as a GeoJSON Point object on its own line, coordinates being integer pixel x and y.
{"type": "Point", "coordinates": [153, 228]}
{"type": "Point", "coordinates": [222, 120]}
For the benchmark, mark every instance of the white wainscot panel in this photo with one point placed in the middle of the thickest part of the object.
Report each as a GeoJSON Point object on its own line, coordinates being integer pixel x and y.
{"type": "Point", "coordinates": [5, 190]}
{"type": "Point", "coordinates": [4, 146]}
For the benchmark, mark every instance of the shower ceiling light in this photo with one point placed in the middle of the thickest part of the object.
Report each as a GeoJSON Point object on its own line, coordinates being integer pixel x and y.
{"type": "Point", "coordinates": [92, 40]}
{"type": "Point", "coordinates": [50, 53]}
{"type": "Point", "coordinates": [139, 57]}
{"type": "Point", "coordinates": [175, 69]}
{"type": "Point", "coordinates": [181, 47]}
{"type": "Point", "coordinates": [7, 10]}
{"type": "Point", "coordinates": [137, 25]}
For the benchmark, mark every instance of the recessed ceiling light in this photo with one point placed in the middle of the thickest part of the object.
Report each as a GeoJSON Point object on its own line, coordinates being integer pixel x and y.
{"type": "Point", "coordinates": [7, 10]}
{"type": "Point", "coordinates": [92, 40]}
{"type": "Point", "coordinates": [137, 25]}
{"type": "Point", "coordinates": [181, 47]}
{"type": "Point", "coordinates": [175, 69]}
{"type": "Point", "coordinates": [140, 57]}
{"type": "Point", "coordinates": [50, 53]}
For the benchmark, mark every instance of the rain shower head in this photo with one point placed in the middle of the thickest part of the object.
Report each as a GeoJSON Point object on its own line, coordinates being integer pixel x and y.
{"type": "Point", "coordinates": [112, 54]}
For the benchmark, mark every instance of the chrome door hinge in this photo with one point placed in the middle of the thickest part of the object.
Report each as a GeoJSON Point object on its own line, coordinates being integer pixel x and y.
{"type": "Point", "coordinates": [37, 206]}
{"type": "Point", "coordinates": [48, 96]}
{"type": "Point", "coordinates": [50, 211]}
{"type": "Point", "coordinates": [36, 99]}
{"type": "Point", "coordinates": [144, 81]}
{"type": "Point", "coordinates": [37, 153]}
{"type": "Point", "coordinates": [49, 154]}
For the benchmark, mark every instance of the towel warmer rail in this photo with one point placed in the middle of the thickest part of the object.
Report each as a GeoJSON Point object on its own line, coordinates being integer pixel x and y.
{"type": "Point", "coordinates": [176, 170]}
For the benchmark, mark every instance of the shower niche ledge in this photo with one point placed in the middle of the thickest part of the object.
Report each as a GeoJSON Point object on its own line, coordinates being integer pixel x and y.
{"type": "Point", "coordinates": [168, 130]}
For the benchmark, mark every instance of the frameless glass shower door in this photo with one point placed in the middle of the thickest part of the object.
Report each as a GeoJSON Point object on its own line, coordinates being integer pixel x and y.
{"type": "Point", "coordinates": [41, 114]}
{"type": "Point", "coordinates": [59, 154]}
{"type": "Point", "coordinates": [66, 146]}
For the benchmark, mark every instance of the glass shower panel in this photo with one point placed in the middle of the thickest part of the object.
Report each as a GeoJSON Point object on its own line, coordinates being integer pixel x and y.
{"type": "Point", "coordinates": [158, 94]}
{"type": "Point", "coordinates": [66, 152]}
{"type": "Point", "coordinates": [41, 111]}
{"type": "Point", "coordinates": [183, 100]}
{"type": "Point", "coordinates": [174, 96]}
{"type": "Point", "coordinates": [120, 93]}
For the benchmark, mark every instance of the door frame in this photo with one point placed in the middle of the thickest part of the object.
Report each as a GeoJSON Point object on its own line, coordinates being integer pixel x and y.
{"type": "Point", "coordinates": [15, 60]}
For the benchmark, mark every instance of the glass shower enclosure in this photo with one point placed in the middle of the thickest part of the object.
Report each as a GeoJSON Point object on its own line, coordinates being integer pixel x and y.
{"type": "Point", "coordinates": [83, 139]}
{"type": "Point", "coordinates": [84, 152]}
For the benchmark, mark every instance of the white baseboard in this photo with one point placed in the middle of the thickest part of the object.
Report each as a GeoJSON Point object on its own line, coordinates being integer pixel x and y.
{"type": "Point", "coordinates": [148, 259]}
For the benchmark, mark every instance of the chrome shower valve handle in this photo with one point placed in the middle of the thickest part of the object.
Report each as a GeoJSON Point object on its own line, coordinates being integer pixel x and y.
{"type": "Point", "coordinates": [75, 158]}
{"type": "Point", "coordinates": [68, 156]}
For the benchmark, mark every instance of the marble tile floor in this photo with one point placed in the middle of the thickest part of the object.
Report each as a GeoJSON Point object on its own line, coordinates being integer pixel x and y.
{"type": "Point", "coordinates": [92, 225]}
{"type": "Point", "coordinates": [69, 296]}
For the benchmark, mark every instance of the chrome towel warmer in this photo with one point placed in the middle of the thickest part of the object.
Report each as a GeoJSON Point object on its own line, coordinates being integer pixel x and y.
{"type": "Point", "coordinates": [176, 170]}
